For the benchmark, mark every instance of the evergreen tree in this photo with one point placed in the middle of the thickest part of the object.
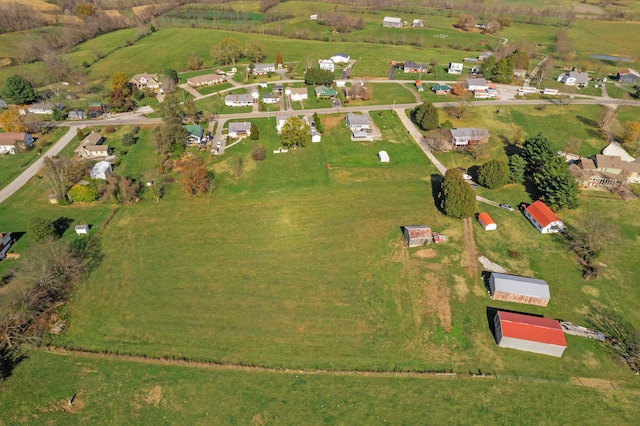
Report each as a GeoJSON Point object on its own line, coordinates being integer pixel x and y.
{"type": "Point", "coordinates": [516, 169]}
{"type": "Point", "coordinates": [489, 67]}
{"type": "Point", "coordinates": [493, 174]}
{"type": "Point", "coordinates": [425, 116]}
{"type": "Point", "coordinates": [557, 187]}
{"type": "Point", "coordinates": [255, 133]}
{"type": "Point", "coordinates": [40, 228]}
{"type": "Point", "coordinates": [457, 198]}
{"type": "Point", "coordinates": [18, 91]}
{"type": "Point", "coordinates": [536, 152]}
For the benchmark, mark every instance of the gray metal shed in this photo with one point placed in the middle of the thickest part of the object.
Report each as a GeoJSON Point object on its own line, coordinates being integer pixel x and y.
{"type": "Point", "coordinates": [513, 288]}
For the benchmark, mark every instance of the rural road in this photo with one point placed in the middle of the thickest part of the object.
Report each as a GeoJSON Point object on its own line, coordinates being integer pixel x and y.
{"type": "Point", "coordinates": [31, 171]}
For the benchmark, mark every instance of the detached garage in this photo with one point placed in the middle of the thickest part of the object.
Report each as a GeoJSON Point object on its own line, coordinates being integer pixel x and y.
{"type": "Point", "coordinates": [487, 223]}
{"type": "Point", "coordinates": [512, 288]}
{"type": "Point", "coordinates": [529, 333]}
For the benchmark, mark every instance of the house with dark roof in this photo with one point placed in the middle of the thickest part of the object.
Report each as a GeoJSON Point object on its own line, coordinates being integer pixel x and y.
{"type": "Point", "coordinates": [440, 89]}
{"type": "Point", "coordinates": [514, 288]}
{"type": "Point", "coordinates": [543, 218]}
{"type": "Point", "coordinates": [529, 333]}
{"type": "Point", "coordinates": [628, 75]}
{"type": "Point", "coordinates": [412, 67]}
{"type": "Point", "coordinates": [340, 58]}
{"type": "Point", "coordinates": [358, 122]}
{"type": "Point", "coordinates": [473, 84]}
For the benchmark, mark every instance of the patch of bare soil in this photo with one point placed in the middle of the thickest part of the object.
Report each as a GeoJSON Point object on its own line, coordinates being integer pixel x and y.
{"type": "Point", "coordinates": [259, 419]}
{"type": "Point", "coordinates": [425, 254]}
{"type": "Point", "coordinates": [590, 290]}
{"type": "Point", "coordinates": [72, 407]}
{"type": "Point", "coordinates": [594, 383]}
{"type": "Point", "coordinates": [437, 301]}
{"type": "Point", "coordinates": [331, 122]}
{"type": "Point", "coordinates": [460, 287]}
{"type": "Point", "coordinates": [154, 396]}
{"type": "Point", "coordinates": [470, 259]}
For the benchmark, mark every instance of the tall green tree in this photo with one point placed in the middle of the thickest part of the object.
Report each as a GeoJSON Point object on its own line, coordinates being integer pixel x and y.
{"type": "Point", "coordinates": [425, 116]}
{"type": "Point", "coordinates": [40, 228]}
{"type": "Point", "coordinates": [457, 198]}
{"type": "Point", "coordinates": [255, 133]}
{"type": "Point", "coordinates": [516, 169]}
{"type": "Point", "coordinates": [557, 187]}
{"type": "Point", "coordinates": [318, 76]}
{"type": "Point", "coordinates": [295, 132]}
{"type": "Point", "coordinates": [537, 151]}
{"type": "Point", "coordinates": [493, 174]}
{"type": "Point", "coordinates": [18, 91]}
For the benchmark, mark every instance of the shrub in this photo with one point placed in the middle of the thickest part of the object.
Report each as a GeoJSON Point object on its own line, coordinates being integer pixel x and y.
{"type": "Point", "coordinates": [83, 193]}
{"type": "Point", "coordinates": [259, 153]}
{"type": "Point", "coordinates": [493, 174]}
{"type": "Point", "coordinates": [40, 228]}
{"type": "Point", "coordinates": [128, 139]}
{"type": "Point", "coordinates": [110, 129]}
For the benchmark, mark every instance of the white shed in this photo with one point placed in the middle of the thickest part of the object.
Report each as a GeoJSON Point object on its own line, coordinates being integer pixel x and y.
{"type": "Point", "coordinates": [383, 156]}
{"type": "Point", "coordinates": [82, 229]}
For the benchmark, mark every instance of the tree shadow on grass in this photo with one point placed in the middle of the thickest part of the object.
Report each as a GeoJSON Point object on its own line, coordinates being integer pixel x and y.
{"type": "Point", "coordinates": [509, 148]}
{"type": "Point", "coordinates": [587, 121]}
{"type": "Point", "coordinates": [61, 225]}
{"type": "Point", "coordinates": [9, 359]}
{"type": "Point", "coordinates": [436, 188]}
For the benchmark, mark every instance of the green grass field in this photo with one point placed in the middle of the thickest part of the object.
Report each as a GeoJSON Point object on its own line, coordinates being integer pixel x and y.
{"type": "Point", "coordinates": [119, 391]}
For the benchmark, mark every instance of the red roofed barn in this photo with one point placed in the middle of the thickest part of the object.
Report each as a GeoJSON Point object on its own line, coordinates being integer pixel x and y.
{"type": "Point", "coordinates": [543, 218]}
{"type": "Point", "coordinates": [529, 333]}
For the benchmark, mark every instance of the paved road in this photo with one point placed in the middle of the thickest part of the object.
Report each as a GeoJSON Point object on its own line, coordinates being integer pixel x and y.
{"type": "Point", "coordinates": [31, 171]}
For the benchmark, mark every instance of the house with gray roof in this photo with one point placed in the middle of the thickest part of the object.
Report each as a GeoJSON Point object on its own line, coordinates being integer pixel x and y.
{"type": "Point", "coordinates": [574, 78]}
{"type": "Point", "coordinates": [238, 100]}
{"type": "Point", "coordinates": [358, 122]}
{"type": "Point", "coordinates": [239, 129]}
{"type": "Point", "coordinates": [468, 136]}
{"type": "Point", "coordinates": [514, 288]}
{"type": "Point", "coordinates": [262, 69]}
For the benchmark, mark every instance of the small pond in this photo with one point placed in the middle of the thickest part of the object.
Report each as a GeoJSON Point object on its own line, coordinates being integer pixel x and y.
{"type": "Point", "coordinates": [611, 58]}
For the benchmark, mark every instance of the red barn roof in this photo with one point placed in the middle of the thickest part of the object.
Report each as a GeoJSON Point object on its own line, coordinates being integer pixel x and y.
{"type": "Point", "coordinates": [541, 213]}
{"type": "Point", "coordinates": [536, 329]}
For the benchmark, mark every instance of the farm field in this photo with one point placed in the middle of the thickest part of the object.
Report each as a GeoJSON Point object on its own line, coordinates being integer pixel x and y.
{"type": "Point", "coordinates": [138, 393]}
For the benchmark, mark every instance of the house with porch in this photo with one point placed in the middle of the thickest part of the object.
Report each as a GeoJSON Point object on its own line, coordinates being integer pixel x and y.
{"type": "Point", "coordinates": [608, 171]}
{"type": "Point", "coordinates": [41, 108]}
{"type": "Point", "coordinates": [413, 67]}
{"type": "Point", "coordinates": [239, 129]}
{"type": "Point", "coordinates": [270, 98]}
{"type": "Point", "coordinates": [440, 89]}
{"type": "Point", "coordinates": [238, 100]}
{"type": "Point", "coordinates": [206, 80]}
{"type": "Point", "coordinates": [324, 92]}
{"type": "Point", "coordinates": [297, 93]}
{"type": "Point", "coordinates": [263, 69]}
{"type": "Point", "coordinates": [13, 141]}
{"type": "Point", "coordinates": [195, 132]}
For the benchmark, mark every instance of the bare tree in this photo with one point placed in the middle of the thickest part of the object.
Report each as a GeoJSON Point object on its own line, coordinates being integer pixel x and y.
{"type": "Point", "coordinates": [61, 174]}
{"type": "Point", "coordinates": [622, 337]}
{"type": "Point", "coordinates": [605, 122]}
{"type": "Point", "coordinates": [194, 177]}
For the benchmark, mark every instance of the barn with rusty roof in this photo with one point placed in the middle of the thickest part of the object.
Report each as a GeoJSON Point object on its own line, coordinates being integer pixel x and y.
{"type": "Point", "coordinates": [417, 235]}
{"type": "Point", "coordinates": [529, 333]}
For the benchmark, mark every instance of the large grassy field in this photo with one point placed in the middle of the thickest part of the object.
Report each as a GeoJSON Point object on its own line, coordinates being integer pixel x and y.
{"type": "Point", "coordinates": [134, 393]}
{"type": "Point", "coordinates": [295, 264]}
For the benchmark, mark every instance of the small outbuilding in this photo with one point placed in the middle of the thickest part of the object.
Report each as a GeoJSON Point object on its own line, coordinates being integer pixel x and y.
{"type": "Point", "coordinates": [383, 156]}
{"type": "Point", "coordinates": [100, 170]}
{"type": "Point", "coordinates": [529, 333]}
{"type": "Point", "coordinates": [543, 218]}
{"type": "Point", "coordinates": [417, 235]}
{"type": "Point", "coordinates": [6, 240]}
{"type": "Point", "coordinates": [513, 288]}
{"type": "Point", "coordinates": [487, 223]}
{"type": "Point", "coordinates": [82, 229]}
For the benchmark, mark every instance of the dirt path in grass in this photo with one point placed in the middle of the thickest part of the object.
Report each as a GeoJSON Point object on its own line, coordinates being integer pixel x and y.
{"type": "Point", "coordinates": [470, 257]}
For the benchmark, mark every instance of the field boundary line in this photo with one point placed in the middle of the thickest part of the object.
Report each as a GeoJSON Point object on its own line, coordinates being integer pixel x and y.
{"type": "Point", "coordinates": [213, 365]}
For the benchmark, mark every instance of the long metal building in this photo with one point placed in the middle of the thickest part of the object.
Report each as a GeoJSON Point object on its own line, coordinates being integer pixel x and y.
{"type": "Point", "coordinates": [529, 333]}
{"type": "Point", "coordinates": [513, 288]}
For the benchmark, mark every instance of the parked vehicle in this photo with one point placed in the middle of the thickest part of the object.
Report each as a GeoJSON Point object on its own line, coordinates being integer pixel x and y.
{"type": "Point", "coordinates": [466, 176]}
{"type": "Point", "coordinates": [436, 238]}
{"type": "Point", "coordinates": [507, 207]}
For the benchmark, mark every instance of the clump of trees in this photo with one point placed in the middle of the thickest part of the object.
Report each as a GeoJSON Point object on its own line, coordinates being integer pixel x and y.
{"type": "Point", "coordinates": [120, 97]}
{"type": "Point", "coordinates": [315, 76]}
{"type": "Point", "coordinates": [550, 173]}
{"type": "Point", "coordinates": [456, 197]}
{"type": "Point", "coordinates": [425, 116]}
{"type": "Point", "coordinates": [229, 51]}
{"type": "Point", "coordinates": [493, 174]}
{"type": "Point", "coordinates": [501, 70]}
{"type": "Point", "coordinates": [341, 22]}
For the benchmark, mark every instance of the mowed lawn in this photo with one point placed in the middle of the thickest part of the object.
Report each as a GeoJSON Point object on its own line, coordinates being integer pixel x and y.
{"type": "Point", "coordinates": [127, 392]}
